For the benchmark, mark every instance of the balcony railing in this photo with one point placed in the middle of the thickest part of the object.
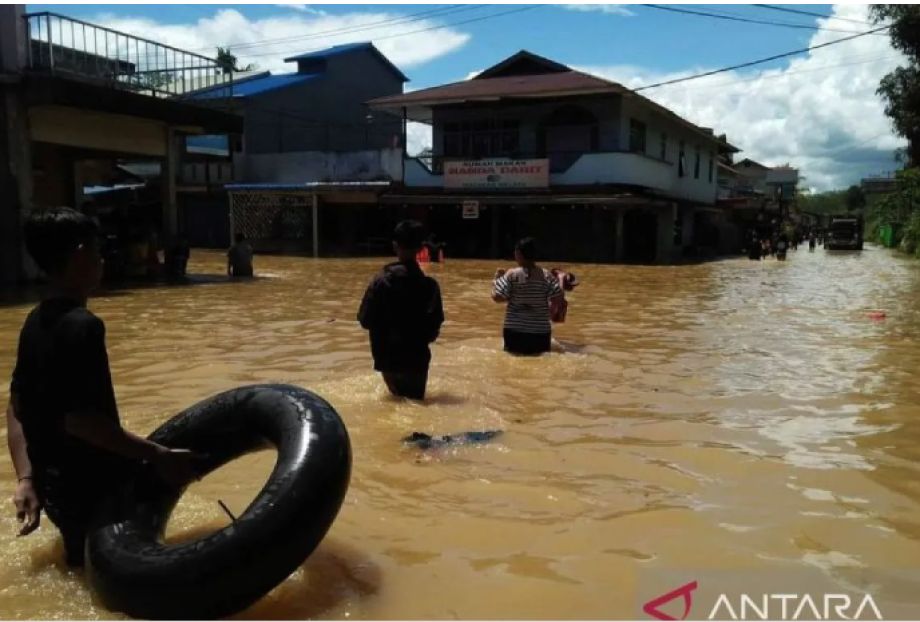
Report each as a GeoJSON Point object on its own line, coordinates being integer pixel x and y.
{"type": "Point", "coordinates": [66, 46]}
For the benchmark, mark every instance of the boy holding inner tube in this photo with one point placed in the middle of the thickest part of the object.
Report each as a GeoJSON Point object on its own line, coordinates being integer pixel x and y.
{"type": "Point", "coordinates": [64, 434]}
{"type": "Point", "coordinates": [403, 312]}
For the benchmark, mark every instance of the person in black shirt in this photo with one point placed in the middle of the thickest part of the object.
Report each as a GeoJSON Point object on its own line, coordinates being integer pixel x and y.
{"type": "Point", "coordinates": [65, 438]}
{"type": "Point", "coordinates": [403, 312]}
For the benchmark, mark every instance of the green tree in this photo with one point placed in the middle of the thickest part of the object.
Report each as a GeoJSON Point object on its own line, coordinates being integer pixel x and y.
{"type": "Point", "coordinates": [228, 62]}
{"type": "Point", "coordinates": [901, 87]}
{"type": "Point", "coordinates": [903, 206]}
{"type": "Point", "coordinates": [855, 199]}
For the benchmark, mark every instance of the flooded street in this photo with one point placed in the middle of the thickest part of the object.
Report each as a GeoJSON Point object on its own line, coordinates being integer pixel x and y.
{"type": "Point", "coordinates": [733, 416]}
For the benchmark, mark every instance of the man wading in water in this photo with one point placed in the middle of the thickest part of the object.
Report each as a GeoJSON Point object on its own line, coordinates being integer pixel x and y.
{"type": "Point", "coordinates": [402, 310]}
{"type": "Point", "coordinates": [528, 290]}
{"type": "Point", "coordinates": [68, 448]}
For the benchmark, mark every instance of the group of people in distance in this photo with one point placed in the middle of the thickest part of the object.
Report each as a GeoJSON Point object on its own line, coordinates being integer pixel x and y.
{"type": "Point", "coordinates": [68, 447]}
{"type": "Point", "coordinates": [403, 312]}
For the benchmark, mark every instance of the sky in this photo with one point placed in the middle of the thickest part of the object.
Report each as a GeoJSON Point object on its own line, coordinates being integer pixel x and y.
{"type": "Point", "coordinates": [816, 111]}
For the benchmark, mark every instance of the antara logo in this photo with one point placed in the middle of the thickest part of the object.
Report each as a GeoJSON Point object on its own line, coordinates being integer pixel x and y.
{"type": "Point", "coordinates": [686, 591]}
{"type": "Point", "coordinates": [770, 606]}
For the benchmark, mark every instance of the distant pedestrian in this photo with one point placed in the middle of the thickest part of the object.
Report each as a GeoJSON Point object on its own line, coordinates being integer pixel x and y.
{"type": "Point", "coordinates": [528, 290]}
{"type": "Point", "coordinates": [403, 312]}
{"type": "Point", "coordinates": [239, 258]}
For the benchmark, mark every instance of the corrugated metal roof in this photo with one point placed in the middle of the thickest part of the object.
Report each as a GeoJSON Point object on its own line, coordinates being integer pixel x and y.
{"type": "Point", "coordinates": [511, 86]}
{"type": "Point", "coordinates": [350, 47]}
{"type": "Point", "coordinates": [256, 86]}
{"type": "Point", "coordinates": [337, 49]}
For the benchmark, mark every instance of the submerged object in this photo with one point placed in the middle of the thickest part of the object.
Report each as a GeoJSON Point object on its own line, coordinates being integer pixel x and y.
{"type": "Point", "coordinates": [426, 441]}
{"type": "Point", "coordinates": [133, 571]}
{"type": "Point", "coordinates": [877, 315]}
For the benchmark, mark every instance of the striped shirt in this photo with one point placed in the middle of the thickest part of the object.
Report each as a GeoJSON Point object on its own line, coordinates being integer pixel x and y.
{"type": "Point", "coordinates": [528, 299]}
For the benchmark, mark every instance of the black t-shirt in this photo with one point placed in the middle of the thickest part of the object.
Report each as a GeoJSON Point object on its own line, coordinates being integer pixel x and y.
{"type": "Point", "coordinates": [402, 310]}
{"type": "Point", "coordinates": [62, 368]}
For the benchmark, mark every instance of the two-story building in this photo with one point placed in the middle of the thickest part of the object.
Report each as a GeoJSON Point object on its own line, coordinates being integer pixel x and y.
{"type": "Point", "coordinates": [306, 134]}
{"type": "Point", "coordinates": [75, 106]}
{"type": "Point", "coordinates": [531, 147]}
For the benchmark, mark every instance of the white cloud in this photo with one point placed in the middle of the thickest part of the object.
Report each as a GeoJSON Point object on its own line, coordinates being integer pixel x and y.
{"type": "Point", "coordinates": [303, 8]}
{"type": "Point", "coordinates": [820, 113]}
{"type": "Point", "coordinates": [267, 41]}
{"type": "Point", "coordinates": [612, 9]}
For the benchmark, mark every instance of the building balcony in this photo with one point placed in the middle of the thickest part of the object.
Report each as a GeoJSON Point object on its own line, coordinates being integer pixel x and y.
{"type": "Point", "coordinates": [74, 49]}
{"type": "Point", "coordinates": [581, 170]}
{"type": "Point", "coordinates": [559, 169]}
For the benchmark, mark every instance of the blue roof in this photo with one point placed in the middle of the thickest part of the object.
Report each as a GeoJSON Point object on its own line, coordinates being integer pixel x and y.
{"type": "Point", "coordinates": [255, 86]}
{"type": "Point", "coordinates": [350, 47]}
{"type": "Point", "coordinates": [338, 49]}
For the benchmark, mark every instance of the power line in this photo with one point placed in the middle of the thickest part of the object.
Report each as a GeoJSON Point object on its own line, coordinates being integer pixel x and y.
{"type": "Point", "coordinates": [430, 28]}
{"type": "Point", "coordinates": [794, 72]}
{"type": "Point", "coordinates": [762, 60]}
{"type": "Point", "coordinates": [412, 17]}
{"type": "Point", "coordinates": [773, 7]}
{"type": "Point", "coordinates": [745, 19]}
{"type": "Point", "coordinates": [853, 146]}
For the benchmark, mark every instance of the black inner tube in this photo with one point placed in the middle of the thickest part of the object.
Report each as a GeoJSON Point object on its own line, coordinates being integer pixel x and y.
{"type": "Point", "coordinates": [133, 571]}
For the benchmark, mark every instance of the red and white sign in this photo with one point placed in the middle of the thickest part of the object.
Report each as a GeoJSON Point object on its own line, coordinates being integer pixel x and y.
{"type": "Point", "coordinates": [470, 210]}
{"type": "Point", "coordinates": [497, 174]}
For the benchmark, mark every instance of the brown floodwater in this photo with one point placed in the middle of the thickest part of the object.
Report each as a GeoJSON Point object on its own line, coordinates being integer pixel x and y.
{"type": "Point", "coordinates": [734, 416]}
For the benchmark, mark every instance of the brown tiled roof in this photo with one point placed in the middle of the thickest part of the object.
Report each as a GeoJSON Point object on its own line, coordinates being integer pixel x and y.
{"type": "Point", "coordinates": [540, 85]}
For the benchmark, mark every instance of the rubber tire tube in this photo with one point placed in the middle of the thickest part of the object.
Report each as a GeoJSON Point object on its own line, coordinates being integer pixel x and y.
{"type": "Point", "coordinates": [131, 570]}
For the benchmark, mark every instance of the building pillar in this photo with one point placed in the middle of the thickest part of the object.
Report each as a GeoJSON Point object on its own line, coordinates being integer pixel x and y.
{"type": "Point", "coordinates": [667, 216]}
{"type": "Point", "coordinates": [495, 246]}
{"type": "Point", "coordinates": [619, 251]}
{"type": "Point", "coordinates": [315, 225]}
{"type": "Point", "coordinates": [15, 148]}
{"type": "Point", "coordinates": [15, 185]}
{"type": "Point", "coordinates": [168, 176]}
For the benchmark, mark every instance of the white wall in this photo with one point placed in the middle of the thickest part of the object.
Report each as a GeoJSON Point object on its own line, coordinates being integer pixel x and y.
{"type": "Point", "coordinates": [618, 168]}
{"type": "Point", "coordinates": [306, 166]}
{"type": "Point", "coordinates": [689, 187]}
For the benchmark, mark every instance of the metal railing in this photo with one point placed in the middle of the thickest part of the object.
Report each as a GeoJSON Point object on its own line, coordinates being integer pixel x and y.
{"type": "Point", "coordinates": [63, 45]}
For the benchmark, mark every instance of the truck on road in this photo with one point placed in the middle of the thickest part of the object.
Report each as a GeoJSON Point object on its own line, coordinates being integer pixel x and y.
{"type": "Point", "coordinates": [844, 233]}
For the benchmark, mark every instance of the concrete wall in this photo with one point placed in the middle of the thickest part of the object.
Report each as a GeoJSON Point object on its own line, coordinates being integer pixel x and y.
{"type": "Point", "coordinates": [326, 113]}
{"type": "Point", "coordinates": [689, 187]}
{"type": "Point", "coordinates": [87, 129]}
{"type": "Point", "coordinates": [619, 168]}
{"type": "Point", "coordinates": [305, 166]}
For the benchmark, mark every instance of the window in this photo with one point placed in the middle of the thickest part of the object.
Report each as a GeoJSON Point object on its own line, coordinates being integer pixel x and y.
{"type": "Point", "coordinates": [484, 138]}
{"type": "Point", "coordinates": [711, 165]}
{"type": "Point", "coordinates": [696, 164]}
{"type": "Point", "coordinates": [681, 161]}
{"type": "Point", "coordinates": [664, 146]}
{"type": "Point", "coordinates": [636, 136]}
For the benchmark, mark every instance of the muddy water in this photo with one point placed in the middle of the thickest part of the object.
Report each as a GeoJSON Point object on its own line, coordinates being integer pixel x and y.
{"type": "Point", "coordinates": [734, 416]}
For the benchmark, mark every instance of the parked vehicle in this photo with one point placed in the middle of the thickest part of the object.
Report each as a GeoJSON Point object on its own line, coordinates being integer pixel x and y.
{"type": "Point", "coordinates": [845, 233]}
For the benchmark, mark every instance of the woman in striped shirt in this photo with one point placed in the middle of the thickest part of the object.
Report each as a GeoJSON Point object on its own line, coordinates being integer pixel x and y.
{"type": "Point", "coordinates": [528, 290]}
